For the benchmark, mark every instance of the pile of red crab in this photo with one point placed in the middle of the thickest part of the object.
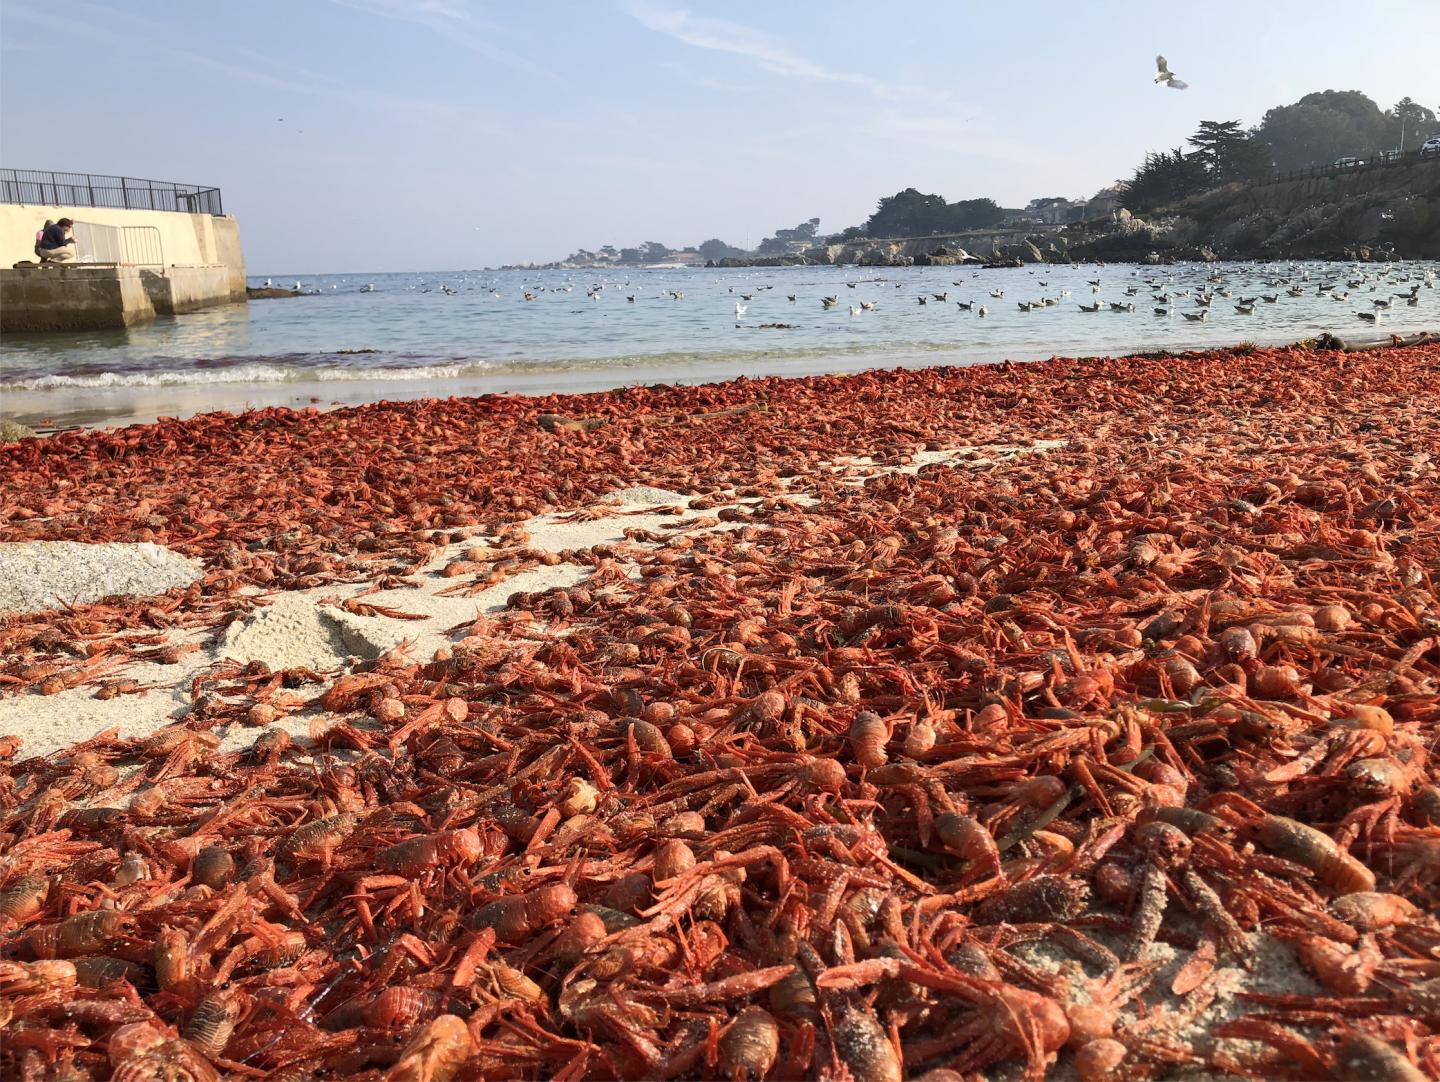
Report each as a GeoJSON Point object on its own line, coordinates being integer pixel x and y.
{"type": "Point", "coordinates": [1104, 756]}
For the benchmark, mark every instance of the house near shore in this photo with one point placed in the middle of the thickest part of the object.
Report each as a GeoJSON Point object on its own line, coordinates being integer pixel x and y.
{"type": "Point", "coordinates": [1105, 203]}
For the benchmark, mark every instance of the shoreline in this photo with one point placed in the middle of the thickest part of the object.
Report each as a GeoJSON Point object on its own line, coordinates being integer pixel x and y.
{"type": "Point", "coordinates": [66, 408]}
{"type": "Point", "coordinates": [840, 629]}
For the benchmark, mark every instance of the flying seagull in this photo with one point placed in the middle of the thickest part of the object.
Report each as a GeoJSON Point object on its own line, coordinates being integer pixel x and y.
{"type": "Point", "coordinates": [1167, 76]}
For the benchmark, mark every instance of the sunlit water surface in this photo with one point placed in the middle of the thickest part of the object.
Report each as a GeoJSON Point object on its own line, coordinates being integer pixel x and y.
{"type": "Point", "coordinates": [420, 335]}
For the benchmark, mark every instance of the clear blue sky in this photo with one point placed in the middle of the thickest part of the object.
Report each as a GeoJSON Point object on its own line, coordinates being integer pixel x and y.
{"type": "Point", "coordinates": [439, 134]}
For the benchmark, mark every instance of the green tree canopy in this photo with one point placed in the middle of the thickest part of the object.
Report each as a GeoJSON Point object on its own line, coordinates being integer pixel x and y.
{"type": "Point", "coordinates": [1229, 153]}
{"type": "Point", "coordinates": [972, 214]}
{"type": "Point", "coordinates": [715, 248]}
{"type": "Point", "coordinates": [1411, 122]}
{"type": "Point", "coordinates": [1321, 127]}
{"type": "Point", "coordinates": [1162, 179]}
{"type": "Point", "coordinates": [912, 214]}
{"type": "Point", "coordinates": [783, 238]}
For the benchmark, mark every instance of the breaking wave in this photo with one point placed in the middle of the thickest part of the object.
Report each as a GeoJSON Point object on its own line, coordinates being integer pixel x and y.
{"type": "Point", "coordinates": [245, 373]}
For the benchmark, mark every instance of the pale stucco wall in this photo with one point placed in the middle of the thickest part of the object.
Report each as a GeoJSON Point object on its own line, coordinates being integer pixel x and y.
{"type": "Point", "coordinates": [185, 239]}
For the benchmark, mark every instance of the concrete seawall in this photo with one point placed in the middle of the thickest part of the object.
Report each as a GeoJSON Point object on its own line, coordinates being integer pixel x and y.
{"type": "Point", "coordinates": [193, 261]}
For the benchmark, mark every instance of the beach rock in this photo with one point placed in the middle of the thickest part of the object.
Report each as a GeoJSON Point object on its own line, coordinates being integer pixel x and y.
{"type": "Point", "coordinates": [36, 576]}
{"type": "Point", "coordinates": [10, 431]}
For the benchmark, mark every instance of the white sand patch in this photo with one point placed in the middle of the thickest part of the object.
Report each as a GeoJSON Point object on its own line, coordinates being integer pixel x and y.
{"type": "Point", "coordinates": [645, 496]}
{"type": "Point", "coordinates": [310, 629]}
{"type": "Point", "coordinates": [292, 632]}
{"type": "Point", "coordinates": [40, 575]}
{"type": "Point", "coordinates": [50, 723]}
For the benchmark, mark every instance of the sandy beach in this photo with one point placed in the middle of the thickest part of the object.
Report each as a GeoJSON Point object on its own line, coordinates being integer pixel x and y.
{"type": "Point", "coordinates": [1015, 682]}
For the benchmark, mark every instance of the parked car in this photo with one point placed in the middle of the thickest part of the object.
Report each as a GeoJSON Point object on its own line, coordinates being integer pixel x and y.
{"type": "Point", "coordinates": [1431, 145]}
{"type": "Point", "coordinates": [1349, 163]}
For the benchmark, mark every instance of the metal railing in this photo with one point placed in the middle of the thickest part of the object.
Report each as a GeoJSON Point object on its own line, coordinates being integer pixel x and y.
{"type": "Point", "coordinates": [127, 245]}
{"type": "Point", "coordinates": [42, 187]}
{"type": "Point", "coordinates": [1379, 159]}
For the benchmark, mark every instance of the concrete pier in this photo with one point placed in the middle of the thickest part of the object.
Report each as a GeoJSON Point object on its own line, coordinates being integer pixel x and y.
{"type": "Point", "coordinates": [104, 296]}
{"type": "Point", "coordinates": [190, 261]}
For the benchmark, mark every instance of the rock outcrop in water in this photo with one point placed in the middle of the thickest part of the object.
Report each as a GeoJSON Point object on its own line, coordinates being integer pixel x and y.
{"type": "Point", "coordinates": [994, 248]}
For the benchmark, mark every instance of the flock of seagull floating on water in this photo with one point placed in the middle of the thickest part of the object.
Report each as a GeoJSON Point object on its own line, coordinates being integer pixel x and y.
{"type": "Point", "coordinates": [1163, 291]}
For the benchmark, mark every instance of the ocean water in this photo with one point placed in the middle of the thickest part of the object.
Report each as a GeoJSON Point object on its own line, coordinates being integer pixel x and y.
{"type": "Point", "coordinates": [474, 332]}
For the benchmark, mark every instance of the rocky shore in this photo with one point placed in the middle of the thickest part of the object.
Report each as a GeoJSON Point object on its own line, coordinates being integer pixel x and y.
{"type": "Point", "coordinates": [1375, 214]}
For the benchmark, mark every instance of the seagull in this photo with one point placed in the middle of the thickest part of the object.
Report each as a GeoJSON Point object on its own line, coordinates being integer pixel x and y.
{"type": "Point", "coordinates": [982, 313]}
{"type": "Point", "coordinates": [739, 309]}
{"type": "Point", "coordinates": [1270, 298]}
{"type": "Point", "coordinates": [1166, 76]}
{"type": "Point", "coordinates": [791, 296]}
{"type": "Point", "coordinates": [1245, 309]}
{"type": "Point", "coordinates": [1196, 317]}
{"type": "Point", "coordinates": [1129, 307]}
{"type": "Point", "coordinates": [1089, 307]}
{"type": "Point", "coordinates": [941, 297]}
{"type": "Point", "coordinates": [868, 306]}
{"type": "Point", "coordinates": [922, 300]}
{"type": "Point", "coordinates": [267, 283]}
{"type": "Point", "coordinates": [369, 287]}
{"type": "Point", "coordinates": [855, 311]}
{"type": "Point", "coordinates": [1162, 311]}
{"type": "Point", "coordinates": [829, 302]}
{"type": "Point", "coordinates": [997, 293]}
{"type": "Point", "coordinates": [965, 306]}
{"type": "Point", "coordinates": [1369, 317]}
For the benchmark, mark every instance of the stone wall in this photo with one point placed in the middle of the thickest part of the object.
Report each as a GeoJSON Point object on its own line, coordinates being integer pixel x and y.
{"type": "Point", "coordinates": [73, 298]}
{"type": "Point", "coordinates": [89, 297]}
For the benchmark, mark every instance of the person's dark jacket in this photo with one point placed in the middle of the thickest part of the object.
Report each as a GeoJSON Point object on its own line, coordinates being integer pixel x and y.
{"type": "Point", "coordinates": [53, 238]}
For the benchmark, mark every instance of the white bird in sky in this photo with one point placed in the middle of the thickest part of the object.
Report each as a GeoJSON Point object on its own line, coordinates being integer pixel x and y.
{"type": "Point", "coordinates": [1166, 76]}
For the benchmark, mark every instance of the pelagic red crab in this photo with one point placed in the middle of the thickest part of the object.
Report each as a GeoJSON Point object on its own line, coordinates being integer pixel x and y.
{"type": "Point", "coordinates": [1099, 747]}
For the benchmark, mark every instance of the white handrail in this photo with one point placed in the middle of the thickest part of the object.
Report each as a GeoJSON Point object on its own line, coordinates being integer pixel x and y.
{"type": "Point", "coordinates": [128, 245]}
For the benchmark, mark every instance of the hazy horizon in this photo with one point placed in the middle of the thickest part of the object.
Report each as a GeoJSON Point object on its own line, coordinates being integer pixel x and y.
{"type": "Point", "coordinates": [358, 136]}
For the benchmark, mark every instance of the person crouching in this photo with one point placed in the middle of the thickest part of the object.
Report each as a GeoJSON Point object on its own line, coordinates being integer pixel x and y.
{"type": "Point", "coordinates": [57, 242]}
